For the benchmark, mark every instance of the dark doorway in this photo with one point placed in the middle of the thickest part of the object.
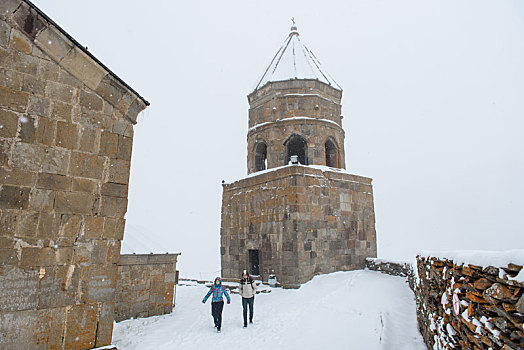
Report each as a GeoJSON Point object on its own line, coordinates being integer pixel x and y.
{"type": "Point", "coordinates": [254, 262]}
{"type": "Point", "coordinates": [296, 145]}
{"type": "Point", "coordinates": [260, 156]}
{"type": "Point", "coordinates": [331, 154]}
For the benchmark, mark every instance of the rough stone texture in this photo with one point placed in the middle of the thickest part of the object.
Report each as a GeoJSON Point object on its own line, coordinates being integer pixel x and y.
{"type": "Point", "coordinates": [58, 249]}
{"type": "Point", "coordinates": [145, 285]}
{"type": "Point", "coordinates": [302, 220]}
{"type": "Point", "coordinates": [389, 267]}
{"type": "Point", "coordinates": [488, 316]}
{"type": "Point", "coordinates": [307, 108]}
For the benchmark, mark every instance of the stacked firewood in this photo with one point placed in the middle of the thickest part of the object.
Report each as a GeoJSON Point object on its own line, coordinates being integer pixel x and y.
{"type": "Point", "coordinates": [461, 306]}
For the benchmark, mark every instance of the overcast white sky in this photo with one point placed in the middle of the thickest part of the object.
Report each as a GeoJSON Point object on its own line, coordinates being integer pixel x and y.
{"type": "Point", "coordinates": [433, 103]}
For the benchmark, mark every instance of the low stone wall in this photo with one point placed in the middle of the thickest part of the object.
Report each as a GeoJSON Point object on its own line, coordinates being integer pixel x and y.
{"type": "Point", "coordinates": [145, 285]}
{"type": "Point", "coordinates": [465, 304]}
{"type": "Point", "coordinates": [389, 267]}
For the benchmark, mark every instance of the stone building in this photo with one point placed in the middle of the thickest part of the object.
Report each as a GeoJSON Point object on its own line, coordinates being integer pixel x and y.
{"type": "Point", "coordinates": [298, 212]}
{"type": "Point", "coordinates": [66, 136]}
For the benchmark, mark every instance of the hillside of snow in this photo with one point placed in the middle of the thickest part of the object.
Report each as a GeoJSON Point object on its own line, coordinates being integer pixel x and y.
{"type": "Point", "coordinates": [344, 310]}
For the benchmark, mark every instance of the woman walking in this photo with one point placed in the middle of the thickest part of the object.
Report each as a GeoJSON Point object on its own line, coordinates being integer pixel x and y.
{"type": "Point", "coordinates": [217, 303]}
{"type": "Point", "coordinates": [248, 289]}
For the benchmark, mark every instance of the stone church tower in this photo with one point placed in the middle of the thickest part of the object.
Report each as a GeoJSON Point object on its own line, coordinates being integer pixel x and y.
{"type": "Point", "coordinates": [298, 213]}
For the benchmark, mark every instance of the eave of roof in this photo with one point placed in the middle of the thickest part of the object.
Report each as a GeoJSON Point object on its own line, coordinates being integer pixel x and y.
{"type": "Point", "coordinates": [84, 49]}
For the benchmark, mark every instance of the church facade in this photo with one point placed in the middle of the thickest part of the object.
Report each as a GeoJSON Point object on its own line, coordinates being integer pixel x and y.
{"type": "Point", "coordinates": [298, 213]}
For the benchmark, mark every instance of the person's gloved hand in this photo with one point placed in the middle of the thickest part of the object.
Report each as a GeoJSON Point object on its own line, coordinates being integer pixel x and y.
{"type": "Point", "coordinates": [203, 302]}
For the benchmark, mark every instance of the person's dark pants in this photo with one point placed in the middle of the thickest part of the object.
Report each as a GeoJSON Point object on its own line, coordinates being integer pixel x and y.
{"type": "Point", "coordinates": [216, 311]}
{"type": "Point", "coordinates": [245, 303]}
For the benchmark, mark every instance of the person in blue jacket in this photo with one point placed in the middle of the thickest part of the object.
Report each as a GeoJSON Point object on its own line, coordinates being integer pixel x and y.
{"type": "Point", "coordinates": [217, 303]}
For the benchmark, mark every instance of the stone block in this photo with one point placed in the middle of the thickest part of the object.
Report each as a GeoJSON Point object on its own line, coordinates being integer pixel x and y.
{"type": "Point", "coordinates": [28, 225]}
{"type": "Point", "coordinates": [84, 185]}
{"type": "Point", "coordinates": [134, 109]}
{"type": "Point", "coordinates": [114, 189]}
{"type": "Point", "coordinates": [9, 222]}
{"type": "Point", "coordinates": [9, 123]}
{"type": "Point", "coordinates": [123, 127]}
{"type": "Point", "coordinates": [61, 111]}
{"type": "Point", "coordinates": [46, 131]}
{"type": "Point", "coordinates": [82, 253]}
{"type": "Point", "coordinates": [74, 202]}
{"type": "Point", "coordinates": [17, 177]}
{"type": "Point", "coordinates": [14, 100]}
{"type": "Point", "coordinates": [7, 7]}
{"type": "Point", "coordinates": [54, 182]}
{"type": "Point", "coordinates": [114, 228]}
{"type": "Point", "coordinates": [60, 92]}
{"type": "Point", "coordinates": [28, 157]}
{"type": "Point", "coordinates": [105, 324]}
{"type": "Point", "coordinates": [5, 33]}
{"type": "Point", "coordinates": [93, 119]}
{"type": "Point", "coordinates": [90, 101]}
{"type": "Point", "coordinates": [65, 78]}
{"type": "Point", "coordinates": [101, 283]}
{"type": "Point", "coordinates": [86, 165]}
{"type": "Point", "coordinates": [14, 197]}
{"type": "Point", "coordinates": [21, 294]}
{"type": "Point", "coordinates": [93, 227]}
{"type": "Point", "coordinates": [27, 129]}
{"type": "Point", "coordinates": [70, 226]}
{"type": "Point", "coordinates": [33, 85]}
{"type": "Point", "coordinates": [56, 287]}
{"type": "Point", "coordinates": [48, 226]}
{"type": "Point", "coordinates": [25, 63]}
{"type": "Point", "coordinates": [37, 256]}
{"type": "Point", "coordinates": [8, 256]}
{"type": "Point", "coordinates": [81, 66]}
{"type": "Point", "coordinates": [108, 144]}
{"type": "Point", "coordinates": [111, 90]}
{"type": "Point", "coordinates": [39, 106]}
{"type": "Point", "coordinates": [113, 206]}
{"type": "Point", "coordinates": [119, 171]}
{"type": "Point", "coordinates": [53, 43]}
{"type": "Point", "coordinates": [89, 140]}
{"type": "Point", "coordinates": [125, 146]}
{"type": "Point", "coordinates": [66, 135]}
{"type": "Point", "coordinates": [56, 160]}
{"type": "Point", "coordinates": [9, 78]}
{"type": "Point", "coordinates": [81, 322]}
{"type": "Point", "coordinates": [48, 70]}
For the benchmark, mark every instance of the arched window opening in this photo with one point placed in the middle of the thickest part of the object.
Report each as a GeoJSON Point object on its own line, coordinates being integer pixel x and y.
{"type": "Point", "coordinates": [296, 146]}
{"type": "Point", "coordinates": [331, 154]}
{"type": "Point", "coordinates": [260, 156]}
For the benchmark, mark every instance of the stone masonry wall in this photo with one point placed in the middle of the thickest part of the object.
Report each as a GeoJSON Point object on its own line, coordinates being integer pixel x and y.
{"type": "Point", "coordinates": [308, 108]}
{"type": "Point", "coordinates": [389, 267]}
{"type": "Point", "coordinates": [464, 306]}
{"type": "Point", "coordinates": [304, 221]}
{"type": "Point", "coordinates": [66, 134]}
{"type": "Point", "coordinates": [145, 285]}
{"type": "Point", "coordinates": [315, 132]}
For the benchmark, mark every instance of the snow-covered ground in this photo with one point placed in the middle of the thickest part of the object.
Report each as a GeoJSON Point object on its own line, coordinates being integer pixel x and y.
{"type": "Point", "coordinates": [344, 310]}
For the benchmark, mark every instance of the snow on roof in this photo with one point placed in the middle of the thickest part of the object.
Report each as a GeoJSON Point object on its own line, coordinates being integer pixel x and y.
{"type": "Point", "coordinates": [295, 61]}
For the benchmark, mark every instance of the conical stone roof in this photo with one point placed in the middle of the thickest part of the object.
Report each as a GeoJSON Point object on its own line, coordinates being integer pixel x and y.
{"type": "Point", "coordinates": [295, 61]}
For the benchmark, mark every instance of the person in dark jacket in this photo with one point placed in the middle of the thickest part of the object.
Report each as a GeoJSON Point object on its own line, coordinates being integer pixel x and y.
{"type": "Point", "coordinates": [247, 290]}
{"type": "Point", "coordinates": [217, 302]}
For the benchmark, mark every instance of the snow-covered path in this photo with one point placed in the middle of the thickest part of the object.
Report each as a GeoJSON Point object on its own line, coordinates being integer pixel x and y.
{"type": "Point", "coordinates": [344, 310]}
